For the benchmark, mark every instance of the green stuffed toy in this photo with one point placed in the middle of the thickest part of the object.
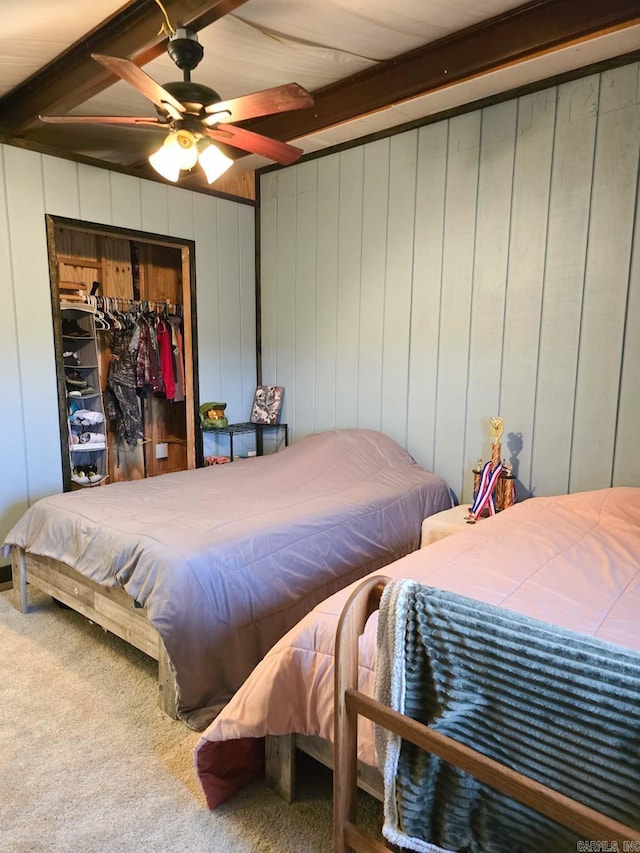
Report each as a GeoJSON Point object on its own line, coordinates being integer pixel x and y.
{"type": "Point", "coordinates": [212, 416]}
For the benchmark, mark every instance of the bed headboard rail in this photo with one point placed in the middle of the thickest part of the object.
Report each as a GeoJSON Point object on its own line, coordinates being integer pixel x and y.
{"type": "Point", "coordinates": [359, 606]}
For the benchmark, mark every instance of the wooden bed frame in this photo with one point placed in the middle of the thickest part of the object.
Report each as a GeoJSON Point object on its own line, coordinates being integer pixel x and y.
{"type": "Point", "coordinates": [349, 703]}
{"type": "Point", "coordinates": [112, 609]}
{"type": "Point", "coordinates": [280, 764]}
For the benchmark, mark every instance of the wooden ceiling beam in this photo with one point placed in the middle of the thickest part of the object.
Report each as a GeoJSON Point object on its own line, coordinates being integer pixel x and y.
{"type": "Point", "coordinates": [73, 77]}
{"type": "Point", "coordinates": [522, 33]}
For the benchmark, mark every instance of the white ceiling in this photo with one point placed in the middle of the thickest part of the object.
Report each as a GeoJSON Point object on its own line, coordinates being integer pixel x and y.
{"type": "Point", "coordinates": [510, 77]}
{"type": "Point", "coordinates": [263, 43]}
{"type": "Point", "coordinates": [33, 32]}
{"type": "Point", "coordinates": [266, 43]}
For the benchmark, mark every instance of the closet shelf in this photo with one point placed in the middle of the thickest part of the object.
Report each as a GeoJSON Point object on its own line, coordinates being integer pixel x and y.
{"type": "Point", "coordinates": [83, 485]}
{"type": "Point", "coordinates": [76, 305]}
{"type": "Point", "coordinates": [89, 397]}
{"type": "Point", "coordinates": [94, 425]}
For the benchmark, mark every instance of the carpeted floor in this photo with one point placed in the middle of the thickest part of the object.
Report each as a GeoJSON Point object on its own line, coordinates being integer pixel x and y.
{"type": "Point", "coordinates": [88, 762]}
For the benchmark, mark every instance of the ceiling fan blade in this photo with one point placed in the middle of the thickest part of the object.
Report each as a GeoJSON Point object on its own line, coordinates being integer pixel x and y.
{"type": "Point", "coordinates": [280, 152]}
{"type": "Point", "coordinates": [136, 77]}
{"type": "Point", "coordinates": [135, 121]}
{"type": "Point", "coordinates": [276, 100]}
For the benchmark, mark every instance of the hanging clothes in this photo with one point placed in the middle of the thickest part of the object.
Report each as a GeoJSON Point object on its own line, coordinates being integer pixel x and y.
{"type": "Point", "coordinates": [163, 336]}
{"type": "Point", "coordinates": [155, 347]}
{"type": "Point", "coordinates": [148, 375]}
{"type": "Point", "coordinates": [178, 358]}
{"type": "Point", "coordinates": [123, 403]}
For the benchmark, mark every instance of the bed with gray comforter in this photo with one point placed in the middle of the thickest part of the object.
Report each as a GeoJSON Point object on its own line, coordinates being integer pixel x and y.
{"type": "Point", "coordinates": [226, 559]}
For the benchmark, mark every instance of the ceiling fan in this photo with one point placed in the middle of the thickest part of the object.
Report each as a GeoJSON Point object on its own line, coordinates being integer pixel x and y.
{"type": "Point", "coordinates": [195, 116]}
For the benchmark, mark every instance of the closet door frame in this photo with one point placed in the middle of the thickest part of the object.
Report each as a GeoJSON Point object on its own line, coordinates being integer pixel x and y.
{"type": "Point", "coordinates": [190, 341]}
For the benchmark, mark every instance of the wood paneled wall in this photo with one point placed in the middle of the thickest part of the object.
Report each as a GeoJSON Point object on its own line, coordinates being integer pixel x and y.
{"type": "Point", "coordinates": [482, 265]}
{"type": "Point", "coordinates": [32, 185]}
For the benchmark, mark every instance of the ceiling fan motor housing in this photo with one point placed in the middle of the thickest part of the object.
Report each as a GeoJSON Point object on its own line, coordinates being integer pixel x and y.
{"type": "Point", "coordinates": [194, 96]}
{"type": "Point", "coordinates": [185, 49]}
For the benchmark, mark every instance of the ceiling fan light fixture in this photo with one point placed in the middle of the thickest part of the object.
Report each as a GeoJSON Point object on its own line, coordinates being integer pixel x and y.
{"type": "Point", "coordinates": [165, 164]}
{"type": "Point", "coordinates": [214, 163]}
{"type": "Point", "coordinates": [178, 151]}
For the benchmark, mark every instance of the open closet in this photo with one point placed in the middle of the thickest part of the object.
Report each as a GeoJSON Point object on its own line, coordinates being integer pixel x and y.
{"type": "Point", "coordinates": [123, 306]}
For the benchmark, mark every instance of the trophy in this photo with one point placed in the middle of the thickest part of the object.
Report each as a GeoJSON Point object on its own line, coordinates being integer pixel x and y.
{"type": "Point", "coordinates": [496, 427]}
{"type": "Point", "coordinates": [503, 489]}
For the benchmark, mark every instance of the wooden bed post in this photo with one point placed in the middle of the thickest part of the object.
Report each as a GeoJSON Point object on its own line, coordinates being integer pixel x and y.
{"type": "Point", "coordinates": [360, 605]}
{"type": "Point", "coordinates": [280, 765]}
{"type": "Point", "coordinates": [19, 573]}
{"type": "Point", "coordinates": [167, 690]}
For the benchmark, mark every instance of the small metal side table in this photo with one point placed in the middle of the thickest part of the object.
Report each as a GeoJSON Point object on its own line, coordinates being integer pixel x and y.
{"type": "Point", "coordinates": [258, 429]}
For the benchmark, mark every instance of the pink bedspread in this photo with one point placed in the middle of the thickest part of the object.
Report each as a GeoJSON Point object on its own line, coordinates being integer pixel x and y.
{"type": "Point", "coordinates": [571, 560]}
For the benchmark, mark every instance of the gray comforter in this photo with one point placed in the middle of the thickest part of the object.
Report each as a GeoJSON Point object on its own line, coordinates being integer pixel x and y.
{"type": "Point", "coordinates": [226, 559]}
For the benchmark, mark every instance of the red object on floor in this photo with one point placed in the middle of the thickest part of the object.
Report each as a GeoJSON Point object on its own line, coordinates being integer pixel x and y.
{"type": "Point", "coordinates": [226, 766]}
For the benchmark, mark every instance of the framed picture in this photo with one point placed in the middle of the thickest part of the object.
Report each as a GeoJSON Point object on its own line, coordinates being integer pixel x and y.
{"type": "Point", "coordinates": [267, 404]}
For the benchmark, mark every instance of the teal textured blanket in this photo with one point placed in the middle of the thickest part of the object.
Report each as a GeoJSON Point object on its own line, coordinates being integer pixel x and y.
{"type": "Point", "coordinates": [558, 706]}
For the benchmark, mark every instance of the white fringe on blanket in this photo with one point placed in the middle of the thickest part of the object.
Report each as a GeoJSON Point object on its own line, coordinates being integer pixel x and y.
{"type": "Point", "coordinates": [389, 688]}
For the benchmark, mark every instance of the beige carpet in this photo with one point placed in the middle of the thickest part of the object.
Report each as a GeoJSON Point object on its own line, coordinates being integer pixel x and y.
{"type": "Point", "coordinates": [89, 763]}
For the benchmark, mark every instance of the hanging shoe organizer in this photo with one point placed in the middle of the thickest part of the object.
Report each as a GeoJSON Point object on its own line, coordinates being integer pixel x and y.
{"type": "Point", "coordinates": [85, 408]}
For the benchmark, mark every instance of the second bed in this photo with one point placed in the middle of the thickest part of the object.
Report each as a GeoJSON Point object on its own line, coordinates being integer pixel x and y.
{"type": "Point", "coordinates": [572, 561]}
